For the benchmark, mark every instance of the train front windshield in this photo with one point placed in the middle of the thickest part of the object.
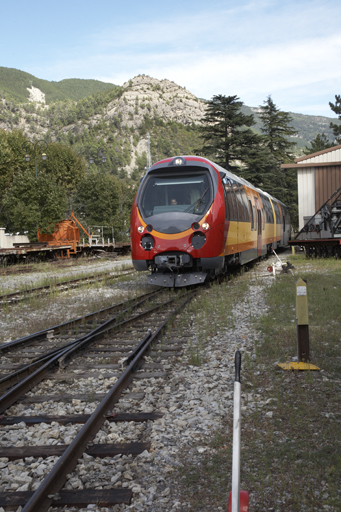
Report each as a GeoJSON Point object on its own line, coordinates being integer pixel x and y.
{"type": "Point", "coordinates": [172, 203]}
{"type": "Point", "coordinates": [187, 194]}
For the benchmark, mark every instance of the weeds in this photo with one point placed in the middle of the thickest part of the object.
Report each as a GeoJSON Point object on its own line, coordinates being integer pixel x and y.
{"type": "Point", "coordinates": [291, 458]}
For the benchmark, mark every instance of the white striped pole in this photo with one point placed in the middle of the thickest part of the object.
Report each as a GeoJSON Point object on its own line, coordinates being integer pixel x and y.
{"type": "Point", "coordinates": [236, 437]}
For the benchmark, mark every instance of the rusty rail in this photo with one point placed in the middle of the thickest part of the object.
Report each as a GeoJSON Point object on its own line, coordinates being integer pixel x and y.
{"type": "Point", "coordinates": [42, 499]}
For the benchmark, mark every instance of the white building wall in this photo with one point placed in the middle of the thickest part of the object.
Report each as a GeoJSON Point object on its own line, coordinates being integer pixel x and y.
{"type": "Point", "coordinates": [330, 156]}
{"type": "Point", "coordinates": [7, 241]}
{"type": "Point", "coordinates": [306, 193]}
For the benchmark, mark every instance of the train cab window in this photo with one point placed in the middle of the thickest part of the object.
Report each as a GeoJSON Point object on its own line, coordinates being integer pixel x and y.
{"type": "Point", "coordinates": [190, 194]}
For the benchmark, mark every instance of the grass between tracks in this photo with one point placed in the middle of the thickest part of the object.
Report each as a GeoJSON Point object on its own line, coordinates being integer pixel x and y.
{"type": "Point", "coordinates": [61, 276]}
{"type": "Point", "coordinates": [290, 459]}
{"type": "Point", "coordinates": [57, 307]}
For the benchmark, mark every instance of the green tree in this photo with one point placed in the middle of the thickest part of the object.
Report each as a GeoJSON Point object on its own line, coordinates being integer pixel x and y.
{"type": "Point", "coordinates": [276, 129]}
{"type": "Point", "coordinates": [103, 199]}
{"type": "Point", "coordinates": [320, 143]}
{"type": "Point", "coordinates": [336, 108]}
{"type": "Point", "coordinates": [263, 170]}
{"type": "Point", "coordinates": [64, 165]}
{"type": "Point", "coordinates": [11, 159]}
{"type": "Point", "coordinates": [32, 203]}
{"type": "Point", "coordinates": [226, 131]}
{"type": "Point", "coordinates": [29, 202]}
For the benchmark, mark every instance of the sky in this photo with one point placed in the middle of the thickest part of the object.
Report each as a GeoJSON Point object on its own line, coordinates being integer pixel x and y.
{"type": "Point", "coordinates": [289, 49]}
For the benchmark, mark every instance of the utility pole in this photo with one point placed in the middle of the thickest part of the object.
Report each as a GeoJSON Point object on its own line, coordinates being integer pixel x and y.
{"type": "Point", "coordinates": [149, 160]}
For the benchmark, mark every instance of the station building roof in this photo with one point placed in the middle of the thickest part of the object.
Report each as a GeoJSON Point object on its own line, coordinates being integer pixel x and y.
{"type": "Point", "coordinates": [324, 158]}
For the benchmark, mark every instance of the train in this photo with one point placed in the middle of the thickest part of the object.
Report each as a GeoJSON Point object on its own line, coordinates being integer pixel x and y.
{"type": "Point", "coordinates": [192, 220]}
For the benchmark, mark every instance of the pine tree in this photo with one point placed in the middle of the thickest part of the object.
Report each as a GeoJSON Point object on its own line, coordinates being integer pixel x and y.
{"type": "Point", "coordinates": [263, 170]}
{"type": "Point", "coordinates": [226, 131]}
{"type": "Point", "coordinates": [276, 129]}
{"type": "Point", "coordinates": [336, 107]}
{"type": "Point", "coordinates": [320, 143]}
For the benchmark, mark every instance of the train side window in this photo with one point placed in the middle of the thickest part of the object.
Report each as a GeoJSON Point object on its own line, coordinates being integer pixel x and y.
{"type": "Point", "coordinates": [283, 216]}
{"type": "Point", "coordinates": [227, 206]}
{"type": "Point", "coordinates": [246, 205]}
{"type": "Point", "coordinates": [252, 218]}
{"type": "Point", "coordinates": [267, 209]}
{"type": "Point", "coordinates": [263, 216]}
{"type": "Point", "coordinates": [230, 201]}
{"type": "Point", "coordinates": [235, 201]}
{"type": "Point", "coordinates": [239, 204]}
{"type": "Point", "coordinates": [242, 204]}
{"type": "Point", "coordinates": [255, 217]}
{"type": "Point", "coordinates": [278, 216]}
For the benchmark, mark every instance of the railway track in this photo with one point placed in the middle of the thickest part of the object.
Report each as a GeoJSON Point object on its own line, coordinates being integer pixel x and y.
{"type": "Point", "coordinates": [111, 363]}
{"type": "Point", "coordinates": [33, 348]}
{"type": "Point", "coordinates": [12, 298]}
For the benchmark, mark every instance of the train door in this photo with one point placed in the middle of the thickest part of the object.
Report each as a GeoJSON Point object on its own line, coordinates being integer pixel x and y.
{"type": "Point", "coordinates": [259, 227]}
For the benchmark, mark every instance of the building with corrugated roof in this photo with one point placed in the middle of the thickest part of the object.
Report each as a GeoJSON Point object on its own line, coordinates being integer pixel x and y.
{"type": "Point", "coordinates": [318, 177]}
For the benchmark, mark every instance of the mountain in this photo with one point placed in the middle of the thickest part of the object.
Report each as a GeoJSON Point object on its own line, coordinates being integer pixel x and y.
{"type": "Point", "coordinates": [91, 115]}
{"type": "Point", "coordinates": [18, 86]}
{"type": "Point", "coordinates": [307, 126]}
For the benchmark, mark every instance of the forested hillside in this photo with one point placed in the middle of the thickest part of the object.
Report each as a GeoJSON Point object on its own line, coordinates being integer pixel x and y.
{"type": "Point", "coordinates": [116, 119]}
{"type": "Point", "coordinates": [88, 114]}
{"type": "Point", "coordinates": [15, 85]}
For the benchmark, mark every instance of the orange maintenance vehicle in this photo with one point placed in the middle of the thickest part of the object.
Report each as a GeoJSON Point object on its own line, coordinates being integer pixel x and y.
{"type": "Point", "coordinates": [66, 233]}
{"type": "Point", "coordinates": [64, 242]}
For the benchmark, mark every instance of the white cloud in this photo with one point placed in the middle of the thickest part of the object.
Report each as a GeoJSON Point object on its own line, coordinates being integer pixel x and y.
{"type": "Point", "coordinates": [290, 50]}
{"type": "Point", "coordinates": [251, 74]}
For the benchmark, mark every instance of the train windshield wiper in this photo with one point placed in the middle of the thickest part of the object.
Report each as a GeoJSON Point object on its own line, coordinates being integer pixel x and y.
{"type": "Point", "coordinates": [197, 203]}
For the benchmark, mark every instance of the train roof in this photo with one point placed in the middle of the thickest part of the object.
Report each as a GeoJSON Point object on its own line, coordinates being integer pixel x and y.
{"type": "Point", "coordinates": [221, 169]}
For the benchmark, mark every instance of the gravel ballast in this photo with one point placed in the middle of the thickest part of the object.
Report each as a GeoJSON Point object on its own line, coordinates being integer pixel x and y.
{"type": "Point", "coordinates": [193, 400]}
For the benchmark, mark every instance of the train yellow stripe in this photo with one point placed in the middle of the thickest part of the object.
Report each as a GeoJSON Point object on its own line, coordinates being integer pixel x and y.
{"type": "Point", "coordinates": [175, 236]}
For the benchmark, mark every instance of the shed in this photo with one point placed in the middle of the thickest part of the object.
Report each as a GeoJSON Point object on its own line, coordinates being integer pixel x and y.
{"type": "Point", "coordinates": [318, 177]}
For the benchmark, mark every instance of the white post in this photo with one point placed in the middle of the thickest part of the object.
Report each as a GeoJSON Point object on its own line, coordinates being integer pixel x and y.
{"type": "Point", "coordinates": [236, 437]}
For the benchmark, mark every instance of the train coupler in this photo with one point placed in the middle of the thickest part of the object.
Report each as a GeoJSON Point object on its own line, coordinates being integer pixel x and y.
{"type": "Point", "coordinates": [176, 280]}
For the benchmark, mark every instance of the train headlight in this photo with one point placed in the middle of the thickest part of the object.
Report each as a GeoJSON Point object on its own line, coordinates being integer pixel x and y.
{"type": "Point", "coordinates": [205, 226]}
{"type": "Point", "coordinates": [140, 229]}
{"type": "Point", "coordinates": [178, 160]}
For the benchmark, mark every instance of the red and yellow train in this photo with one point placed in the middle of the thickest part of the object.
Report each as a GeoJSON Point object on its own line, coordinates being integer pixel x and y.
{"type": "Point", "coordinates": [192, 219]}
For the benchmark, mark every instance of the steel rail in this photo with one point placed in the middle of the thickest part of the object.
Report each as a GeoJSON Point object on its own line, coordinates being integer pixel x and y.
{"type": "Point", "coordinates": [26, 384]}
{"type": "Point", "coordinates": [40, 334]}
{"type": "Point", "coordinates": [6, 381]}
{"type": "Point", "coordinates": [90, 339]}
{"type": "Point", "coordinates": [73, 282]}
{"type": "Point", "coordinates": [42, 499]}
